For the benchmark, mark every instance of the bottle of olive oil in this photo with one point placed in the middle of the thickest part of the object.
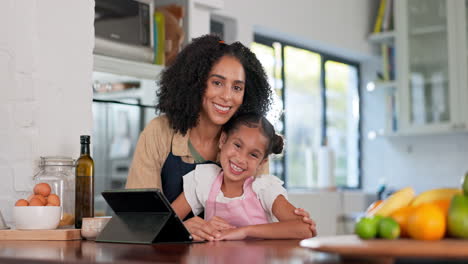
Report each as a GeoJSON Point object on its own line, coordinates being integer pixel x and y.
{"type": "Point", "coordinates": [84, 184]}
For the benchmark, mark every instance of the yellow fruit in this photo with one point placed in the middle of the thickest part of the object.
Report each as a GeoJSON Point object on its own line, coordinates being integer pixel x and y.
{"type": "Point", "coordinates": [396, 201]}
{"type": "Point", "coordinates": [427, 222]}
{"type": "Point", "coordinates": [434, 195]}
{"type": "Point", "coordinates": [373, 206]}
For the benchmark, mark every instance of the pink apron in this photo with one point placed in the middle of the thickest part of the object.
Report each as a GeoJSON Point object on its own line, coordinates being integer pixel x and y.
{"type": "Point", "coordinates": [242, 212]}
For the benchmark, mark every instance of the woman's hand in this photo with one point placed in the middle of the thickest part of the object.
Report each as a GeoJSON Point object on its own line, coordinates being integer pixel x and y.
{"type": "Point", "coordinates": [306, 219]}
{"type": "Point", "coordinates": [206, 230]}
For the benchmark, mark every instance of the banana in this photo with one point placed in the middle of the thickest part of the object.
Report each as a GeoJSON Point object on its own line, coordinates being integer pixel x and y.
{"type": "Point", "coordinates": [434, 195]}
{"type": "Point", "coordinates": [400, 198]}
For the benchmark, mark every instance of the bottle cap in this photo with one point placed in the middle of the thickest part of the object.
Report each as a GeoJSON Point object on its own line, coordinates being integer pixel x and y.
{"type": "Point", "coordinates": [85, 139]}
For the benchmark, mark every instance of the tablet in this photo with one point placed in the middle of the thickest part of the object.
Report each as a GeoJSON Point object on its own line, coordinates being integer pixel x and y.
{"type": "Point", "coordinates": [142, 216]}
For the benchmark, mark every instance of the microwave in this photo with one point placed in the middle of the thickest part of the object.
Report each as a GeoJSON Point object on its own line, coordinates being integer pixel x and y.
{"type": "Point", "coordinates": [124, 21]}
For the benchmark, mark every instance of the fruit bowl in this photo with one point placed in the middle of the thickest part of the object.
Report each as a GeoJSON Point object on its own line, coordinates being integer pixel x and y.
{"type": "Point", "coordinates": [36, 217]}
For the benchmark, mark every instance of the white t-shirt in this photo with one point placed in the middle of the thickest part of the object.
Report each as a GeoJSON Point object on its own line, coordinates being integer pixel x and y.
{"type": "Point", "coordinates": [197, 186]}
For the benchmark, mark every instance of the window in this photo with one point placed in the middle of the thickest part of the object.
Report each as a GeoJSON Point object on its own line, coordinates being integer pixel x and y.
{"type": "Point", "coordinates": [317, 104]}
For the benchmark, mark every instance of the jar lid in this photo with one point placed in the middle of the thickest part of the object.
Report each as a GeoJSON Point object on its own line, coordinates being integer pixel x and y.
{"type": "Point", "coordinates": [57, 161]}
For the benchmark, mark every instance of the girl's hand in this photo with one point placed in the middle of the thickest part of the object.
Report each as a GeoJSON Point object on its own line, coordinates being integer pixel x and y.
{"type": "Point", "coordinates": [202, 230]}
{"type": "Point", "coordinates": [239, 233]}
{"type": "Point", "coordinates": [306, 219]}
{"type": "Point", "coordinates": [219, 223]}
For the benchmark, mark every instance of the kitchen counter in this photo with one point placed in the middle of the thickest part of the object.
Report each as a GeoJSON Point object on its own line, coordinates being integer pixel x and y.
{"type": "Point", "coordinates": [215, 252]}
{"type": "Point", "coordinates": [260, 251]}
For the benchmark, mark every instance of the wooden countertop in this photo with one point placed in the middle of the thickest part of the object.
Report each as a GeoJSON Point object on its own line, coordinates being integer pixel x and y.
{"type": "Point", "coordinates": [260, 251]}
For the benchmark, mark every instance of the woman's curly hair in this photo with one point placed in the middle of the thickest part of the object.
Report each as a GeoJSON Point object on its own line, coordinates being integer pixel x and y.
{"type": "Point", "coordinates": [183, 83]}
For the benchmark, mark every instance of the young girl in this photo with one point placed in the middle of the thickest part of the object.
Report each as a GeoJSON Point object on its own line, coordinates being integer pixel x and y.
{"type": "Point", "coordinates": [251, 204]}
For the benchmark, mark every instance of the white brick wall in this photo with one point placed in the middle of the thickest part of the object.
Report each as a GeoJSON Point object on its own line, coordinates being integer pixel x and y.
{"type": "Point", "coordinates": [45, 87]}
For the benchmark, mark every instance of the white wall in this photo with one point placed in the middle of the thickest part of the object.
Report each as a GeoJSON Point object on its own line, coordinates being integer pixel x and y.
{"type": "Point", "coordinates": [45, 86]}
{"type": "Point", "coordinates": [332, 25]}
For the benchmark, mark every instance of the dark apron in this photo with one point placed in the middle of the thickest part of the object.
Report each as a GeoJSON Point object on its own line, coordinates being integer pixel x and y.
{"type": "Point", "coordinates": [172, 172]}
{"type": "Point", "coordinates": [171, 176]}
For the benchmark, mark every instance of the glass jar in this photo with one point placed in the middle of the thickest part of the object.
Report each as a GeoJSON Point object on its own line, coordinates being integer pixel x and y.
{"type": "Point", "coordinates": [59, 173]}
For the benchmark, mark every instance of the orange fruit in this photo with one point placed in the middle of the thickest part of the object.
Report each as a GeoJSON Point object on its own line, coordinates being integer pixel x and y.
{"type": "Point", "coordinates": [443, 204]}
{"type": "Point", "coordinates": [427, 222]}
{"type": "Point", "coordinates": [372, 206]}
{"type": "Point", "coordinates": [401, 217]}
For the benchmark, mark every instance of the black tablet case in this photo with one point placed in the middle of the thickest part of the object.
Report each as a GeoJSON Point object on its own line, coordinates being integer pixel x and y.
{"type": "Point", "coordinates": [142, 216]}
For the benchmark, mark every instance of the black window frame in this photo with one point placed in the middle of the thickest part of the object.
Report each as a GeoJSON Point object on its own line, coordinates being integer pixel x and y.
{"type": "Point", "coordinates": [269, 41]}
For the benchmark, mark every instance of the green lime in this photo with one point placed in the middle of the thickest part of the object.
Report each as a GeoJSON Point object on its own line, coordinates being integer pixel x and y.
{"type": "Point", "coordinates": [388, 228]}
{"type": "Point", "coordinates": [376, 219]}
{"type": "Point", "coordinates": [457, 223]}
{"type": "Point", "coordinates": [366, 228]}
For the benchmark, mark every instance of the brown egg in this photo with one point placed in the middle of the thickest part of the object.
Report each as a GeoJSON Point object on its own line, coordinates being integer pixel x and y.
{"type": "Point", "coordinates": [42, 189]}
{"type": "Point", "coordinates": [21, 202]}
{"type": "Point", "coordinates": [53, 200]}
{"type": "Point", "coordinates": [41, 198]}
{"type": "Point", "coordinates": [30, 197]}
{"type": "Point", "coordinates": [35, 202]}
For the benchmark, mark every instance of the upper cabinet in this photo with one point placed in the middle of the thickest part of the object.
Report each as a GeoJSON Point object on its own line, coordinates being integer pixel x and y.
{"type": "Point", "coordinates": [149, 31]}
{"type": "Point", "coordinates": [463, 69]}
{"type": "Point", "coordinates": [432, 65]}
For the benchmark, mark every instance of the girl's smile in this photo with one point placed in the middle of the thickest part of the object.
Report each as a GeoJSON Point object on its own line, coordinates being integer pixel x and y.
{"type": "Point", "coordinates": [235, 169]}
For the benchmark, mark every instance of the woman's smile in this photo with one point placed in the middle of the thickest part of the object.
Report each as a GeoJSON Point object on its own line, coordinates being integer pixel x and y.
{"type": "Point", "coordinates": [222, 109]}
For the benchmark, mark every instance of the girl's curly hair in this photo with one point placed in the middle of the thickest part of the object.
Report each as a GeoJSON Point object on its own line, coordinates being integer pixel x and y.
{"type": "Point", "coordinates": [183, 83]}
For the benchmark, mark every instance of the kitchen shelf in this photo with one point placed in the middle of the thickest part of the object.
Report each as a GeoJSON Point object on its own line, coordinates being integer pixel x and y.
{"type": "Point", "coordinates": [126, 67]}
{"type": "Point", "coordinates": [428, 30]}
{"type": "Point", "coordinates": [384, 85]}
{"type": "Point", "coordinates": [128, 93]}
{"type": "Point", "coordinates": [384, 37]}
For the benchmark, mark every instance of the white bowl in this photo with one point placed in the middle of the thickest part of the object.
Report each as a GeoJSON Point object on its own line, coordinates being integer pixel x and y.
{"type": "Point", "coordinates": [92, 226]}
{"type": "Point", "coordinates": [36, 217]}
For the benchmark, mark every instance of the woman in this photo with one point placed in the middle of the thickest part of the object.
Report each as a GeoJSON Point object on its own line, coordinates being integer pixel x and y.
{"type": "Point", "coordinates": [207, 84]}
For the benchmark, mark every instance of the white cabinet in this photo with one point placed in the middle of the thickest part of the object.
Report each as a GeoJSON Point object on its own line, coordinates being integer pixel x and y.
{"type": "Point", "coordinates": [432, 66]}
{"type": "Point", "coordinates": [462, 41]}
{"type": "Point", "coordinates": [332, 211]}
{"type": "Point", "coordinates": [384, 44]}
